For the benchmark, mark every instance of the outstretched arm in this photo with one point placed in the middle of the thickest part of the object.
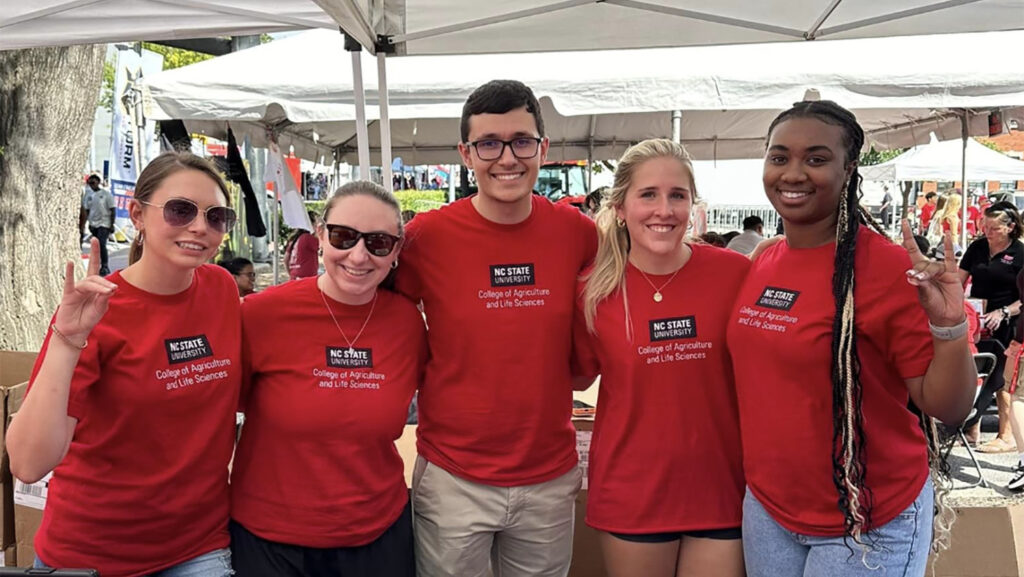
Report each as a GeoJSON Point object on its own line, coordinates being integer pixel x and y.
{"type": "Point", "coordinates": [946, 391]}
{"type": "Point", "coordinates": [40, 434]}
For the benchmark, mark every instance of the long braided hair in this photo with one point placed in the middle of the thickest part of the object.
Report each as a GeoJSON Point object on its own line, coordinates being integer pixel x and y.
{"type": "Point", "coordinates": [849, 463]}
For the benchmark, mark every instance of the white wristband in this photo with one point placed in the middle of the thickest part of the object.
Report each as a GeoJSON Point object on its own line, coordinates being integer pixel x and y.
{"type": "Point", "coordinates": [949, 333]}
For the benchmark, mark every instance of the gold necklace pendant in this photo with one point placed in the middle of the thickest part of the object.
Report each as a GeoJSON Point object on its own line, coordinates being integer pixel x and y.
{"type": "Point", "coordinates": [657, 297]}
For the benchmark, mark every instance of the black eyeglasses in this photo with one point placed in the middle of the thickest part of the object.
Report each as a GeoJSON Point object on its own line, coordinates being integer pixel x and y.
{"type": "Point", "coordinates": [183, 212]}
{"type": "Point", "coordinates": [492, 148]}
{"type": "Point", "coordinates": [344, 237]}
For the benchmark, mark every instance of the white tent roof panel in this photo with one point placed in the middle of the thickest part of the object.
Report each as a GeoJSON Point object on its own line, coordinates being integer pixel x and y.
{"type": "Point", "coordinates": [471, 26]}
{"type": "Point", "coordinates": [729, 94]}
{"type": "Point", "coordinates": [64, 22]}
{"type": "Point", "coordinates": [942, 161]}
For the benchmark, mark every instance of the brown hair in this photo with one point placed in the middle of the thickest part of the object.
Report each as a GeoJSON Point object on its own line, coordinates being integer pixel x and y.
{"type": "Point", "coordinates": [364, 188]}
{"type": "Point", "coordinates": [157, 171]}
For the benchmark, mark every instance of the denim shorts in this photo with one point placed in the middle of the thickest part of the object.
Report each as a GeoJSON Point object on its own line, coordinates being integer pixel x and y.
{"type": "Point", "coordinates": [213, 564]}
{"type": "Point", "coordinates": [897, 549]}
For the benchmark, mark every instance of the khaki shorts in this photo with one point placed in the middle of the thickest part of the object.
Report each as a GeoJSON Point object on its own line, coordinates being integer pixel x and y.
{"type": "Point", "coordinates": [462, 528]}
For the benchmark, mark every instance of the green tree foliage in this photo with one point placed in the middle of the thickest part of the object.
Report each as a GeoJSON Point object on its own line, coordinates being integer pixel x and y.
{"type": "Point", "coordinates": [176, 57]}
{"type": "Point", "coordinates": [879, 156]}
{"type": "Point", "coordinates": [107, 92]}
{"type": "Point", "coordinates": [991, 144]}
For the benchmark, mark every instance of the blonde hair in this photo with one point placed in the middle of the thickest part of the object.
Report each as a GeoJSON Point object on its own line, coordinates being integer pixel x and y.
{"type": "Point", "coordinates": [609, 272]}
{"type": "Point", "coordinates": [160, 169]}
{"type": "Point", "coordinates": [951, 213]}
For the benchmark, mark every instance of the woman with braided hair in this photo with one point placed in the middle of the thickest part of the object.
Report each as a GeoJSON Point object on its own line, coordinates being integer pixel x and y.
{"type": "Point", "coordinates": [830, 340]}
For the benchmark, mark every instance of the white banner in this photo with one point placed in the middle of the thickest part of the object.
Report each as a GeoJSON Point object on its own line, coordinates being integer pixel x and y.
{"type": "Point", "coordinates": [124, 158]}
{"type": "Point", "coordinates": [133, 143]}
{"type": "Point", "coordinates": [292, 207]}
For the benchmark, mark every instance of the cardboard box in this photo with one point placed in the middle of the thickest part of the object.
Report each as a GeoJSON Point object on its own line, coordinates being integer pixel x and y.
{"type": "Point", "coordinates": [26, 523]}
{"type": "Point", "coordinates": [587, 560]}
{"type": "Point", "coordinates": [15, 369]}
{"type": "Point", "coordinates": [986, 542]}
{"type": "Point", "coordinates": [29, 502]}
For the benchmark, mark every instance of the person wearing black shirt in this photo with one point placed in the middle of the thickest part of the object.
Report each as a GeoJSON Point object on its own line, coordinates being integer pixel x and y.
{"type": "Point", "coordinates": [993, 263]}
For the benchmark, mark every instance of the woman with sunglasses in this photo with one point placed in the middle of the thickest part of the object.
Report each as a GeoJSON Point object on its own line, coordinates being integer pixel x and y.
{"type": "Point", "coordinates": [244, 273]}
{"type": "Point", "coordinates": [331, 364]}
{"type": "Point", "coordinates": [132, 401]}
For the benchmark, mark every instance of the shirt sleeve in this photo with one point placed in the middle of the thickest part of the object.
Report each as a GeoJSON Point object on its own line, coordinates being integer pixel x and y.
{"type": "Point", "coordinates": [249, 329]}
{"type": "Point", "coordinates": [86, 374]}
{"type": "Point", "coordinates": [588, 240]}
{"type": "Point", "coordinates": [407, 278]}
{"type": "Point", "coordinates": [584, 361]}
{"type": "Point", "coordinates": [970, 255]}
{"type": "Point", "coordinates": [108, 200]}
{"type": "Point", "coordinates": [895, 321]}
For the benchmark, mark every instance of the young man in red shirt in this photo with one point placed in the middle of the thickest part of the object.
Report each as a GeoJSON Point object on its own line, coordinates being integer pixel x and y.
{"type": "Point", "coordinates": [928, 210]}
{"type": "Point", "coordinates": [496, 274]}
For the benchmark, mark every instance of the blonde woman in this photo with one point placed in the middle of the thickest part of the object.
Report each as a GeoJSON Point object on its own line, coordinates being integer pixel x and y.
{"type": "Point", "coordinates": [950, 217]}
{"type": "Point", "coordinates": [666, 477]}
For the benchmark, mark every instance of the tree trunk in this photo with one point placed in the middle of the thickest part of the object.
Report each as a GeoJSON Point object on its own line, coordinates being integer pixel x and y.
{"type": "Point", "coordinates": [47, 103]}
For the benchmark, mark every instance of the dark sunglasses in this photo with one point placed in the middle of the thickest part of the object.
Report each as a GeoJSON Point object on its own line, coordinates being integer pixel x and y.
{"type": "Point", "coordinates": [344, 237]}
{"type": "Point", "coordinates": [182, 212]}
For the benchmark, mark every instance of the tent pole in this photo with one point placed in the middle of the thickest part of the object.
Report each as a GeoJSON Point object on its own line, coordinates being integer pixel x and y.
{"type": "Point", "coordinates": [451, 181]}
{"type": "Point", "coordinates": [677, 126]}
{"type": "Point", "coordinates": [930, 7]}
{"type": "Point", "coordinates": [963, 179]}
{"type": "Point", "coordinates": [385, 121]}
{"type": "Point", "coordinates": [590, 154]}
{"type": "Point", "coordinates": [275, 232]}
{"type": "Point", "coordinates": [362, 137]}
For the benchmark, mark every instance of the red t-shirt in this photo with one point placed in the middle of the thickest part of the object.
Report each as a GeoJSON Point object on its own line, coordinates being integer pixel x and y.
{"type": "Point", "coordinates": [496, 402]}
{"type": "Point", "coordinates": [665, 454]}
{"type": "Point", "coordinates": [303, 258]}
{"type": "Point", "coordinates": [144, 485]}
{"type": "Point", "coordinates": [317, 464]}
{"type": "Point", "coordinates": [973, 216]}
{"type": "Point", "coordinates": [780, 339]}
{"type": "Point", "coordinates": [926, 216]}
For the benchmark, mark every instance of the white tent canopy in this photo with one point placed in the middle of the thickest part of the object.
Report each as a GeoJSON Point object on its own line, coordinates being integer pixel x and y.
{"type": "Point", "coordinates": [728, 94]}
{"type": "Point", "coordinates": [941, 161]}
{"type": "Point", "coordinates": [64, 22]}
{"type": "Point", "coordinates": [474, 27]}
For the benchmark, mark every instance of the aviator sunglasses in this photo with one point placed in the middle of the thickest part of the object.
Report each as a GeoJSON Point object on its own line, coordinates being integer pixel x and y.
{"type": "Point", "coordinates": [180, 212]}
{"type": "Point", "coordinates": [344, 237]}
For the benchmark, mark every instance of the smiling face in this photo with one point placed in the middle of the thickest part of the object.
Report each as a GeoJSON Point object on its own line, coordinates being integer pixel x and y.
{"type": "Point", "coordinates": [805, 171]}
{"type": "Point", "coordinates": [507, 182]}
{"type": "Point", "coordinates": [181, 247]}
{"type": "Point", "coordinates": [656, 209]}
{"type": "Point", "coordinates": [355, 273]}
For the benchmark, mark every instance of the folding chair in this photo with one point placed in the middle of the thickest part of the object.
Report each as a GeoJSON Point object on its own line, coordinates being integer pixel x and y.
{"type": "Point", "coordinates": [985, 364]}
{"type": "Point", "coordinates": [986, 399]}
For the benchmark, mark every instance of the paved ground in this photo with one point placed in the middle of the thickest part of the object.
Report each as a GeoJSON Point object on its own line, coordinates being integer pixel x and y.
{"type": "Point", "coordinates": [996, 470]}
